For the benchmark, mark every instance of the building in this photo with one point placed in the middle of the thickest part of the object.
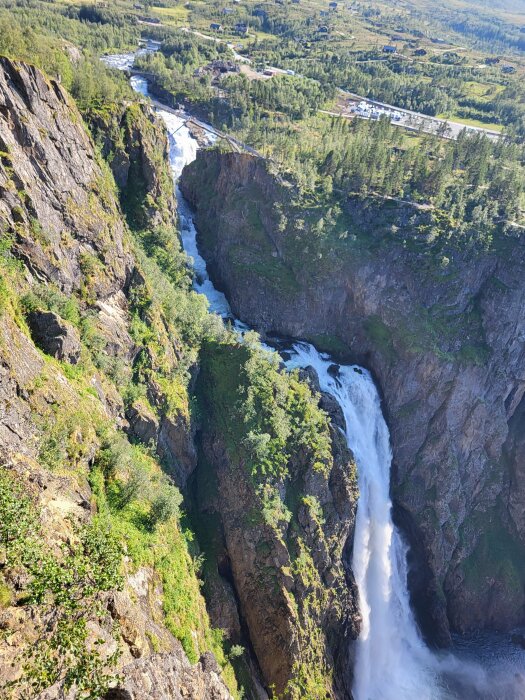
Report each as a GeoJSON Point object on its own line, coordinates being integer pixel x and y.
{"type": "Point", "coordinates": [323, 30]}
{"type": "Point", "coordinates": [214, 26]}
{"type": "Point", "coordinates": [389, 49]}
{"type": "Point", "coordinates": [508, 69]}
{"type": "Point", "coordinates": [420, 52]}
{"type": "Point", "coordinates": [227, 11]}
{"type": "Point", "coordinates": [332, 6]}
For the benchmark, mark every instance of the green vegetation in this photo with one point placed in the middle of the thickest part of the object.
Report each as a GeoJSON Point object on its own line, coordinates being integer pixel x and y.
{"type": "Point", "coordinates": [138, 505]}
{"type": "Point", "coordinates": [265, 414]}
{"type": "Point", "coordinates": [464, 197]}
{"type": "Point", "coordinates": [66, 590]}
{"type": "Point", "coordinates": [143, 506]}
{"type": "Point", "coordinates": [275, 435]}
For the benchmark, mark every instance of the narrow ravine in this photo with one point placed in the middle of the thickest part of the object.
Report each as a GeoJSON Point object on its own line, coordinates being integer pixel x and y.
{"type": "Point", "coordinates": [392, 661]}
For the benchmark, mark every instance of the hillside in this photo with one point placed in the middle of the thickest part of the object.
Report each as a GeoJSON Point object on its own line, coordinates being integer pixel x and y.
{"type": "Point", "coordinates": [101, 342]}
{"type": "Point", "coordinates": [262, 422]}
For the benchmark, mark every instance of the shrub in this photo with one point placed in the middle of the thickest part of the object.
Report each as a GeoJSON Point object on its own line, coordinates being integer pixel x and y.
{"type": "Point", "coordinates": [136, 487]}
{"type": "Point", "coordinates": [18, 522]}
{"type": "Point", "coordinates": [70, 593]}
{"type": "Point", "coordinates": [165, 505]}
{"type": "Point", "coordinates": [5, 594]}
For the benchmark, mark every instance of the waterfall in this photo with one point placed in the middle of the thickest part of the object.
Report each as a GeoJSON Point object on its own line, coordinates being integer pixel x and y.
{"type": "Point", "coordinates": [392, 661]}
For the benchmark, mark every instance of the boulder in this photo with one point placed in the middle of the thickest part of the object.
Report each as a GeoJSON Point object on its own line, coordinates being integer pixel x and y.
{"type": "Point", "coordinates": [143, 422]}
{"type": "Point", "coordinates": [55, 336]}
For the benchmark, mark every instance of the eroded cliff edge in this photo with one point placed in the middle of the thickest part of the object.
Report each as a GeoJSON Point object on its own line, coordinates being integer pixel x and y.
{"type": "Point", "coordinates": [441, 325]}
{"type": "Point", "coordinates": [83, 596]}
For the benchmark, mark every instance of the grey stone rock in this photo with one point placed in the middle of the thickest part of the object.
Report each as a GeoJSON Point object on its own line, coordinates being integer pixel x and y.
{"type": "Point", "coordinates": [447, 348]}
{"type": "Point", "coordinates": [171, 677]}
{"type": "Point", "coordinates": [55, 336]}
{"type": "Point", "coordinates": [143, 422]}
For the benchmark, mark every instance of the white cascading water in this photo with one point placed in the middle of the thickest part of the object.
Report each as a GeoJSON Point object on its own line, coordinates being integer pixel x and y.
{"type": "Point", "coordinates": [392, 661]}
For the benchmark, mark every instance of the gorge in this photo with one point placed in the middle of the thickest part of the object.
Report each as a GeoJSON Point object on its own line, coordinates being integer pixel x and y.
{"type": "Point", "coordinates": [253, 443]}
{"type": "Point", "coordinates": [391, 659]}
{"type": "Point", "coordinates": [447, 358]}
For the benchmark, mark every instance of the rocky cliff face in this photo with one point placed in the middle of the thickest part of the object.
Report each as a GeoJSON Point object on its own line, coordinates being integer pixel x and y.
{"type": "Point", "coordinates": [278, 571]}
{"type": "Point", "coordinates": [443, 330]}
{"type": "Point", "coordinates": [53, 193]}
{"type": "Point", "coordinates": [134, 143]}
{"type": "Point", "coordinates": [66, 252]}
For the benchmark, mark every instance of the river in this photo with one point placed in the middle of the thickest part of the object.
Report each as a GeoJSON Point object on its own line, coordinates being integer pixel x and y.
{"type": "Point", "coordinates": [392, 661]}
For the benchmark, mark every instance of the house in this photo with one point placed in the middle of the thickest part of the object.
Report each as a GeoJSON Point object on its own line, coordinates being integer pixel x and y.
{"type": "Point", "coordinates": [323, 30]}
{"type": "Point", "coordinates": [222, 66]}
{"type": "Point", "coordinates": [420, 52]}
{"type": "Point", "coordinates": [296, 2]}
{"type": "Point", "coordinates": [241, 28]}
{"type": "Point", "coordinates": [508, 69]}
{"type": "Point", "coordinates": [227, 11]}
{"type": "Point", "coordinates": [214, 26]}
{"type": "Point", "coordinates": [389, 49]}
{"type": "Point", "coordinates": [332, 6]}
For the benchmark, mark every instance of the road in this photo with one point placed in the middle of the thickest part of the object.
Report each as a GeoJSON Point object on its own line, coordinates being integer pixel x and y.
{"type": "Point", "coordinates": [237, 56]}
{"type": "Point", "coordinates": [413, 121]}
{"type": "Point", "coordinates": [189, 119]}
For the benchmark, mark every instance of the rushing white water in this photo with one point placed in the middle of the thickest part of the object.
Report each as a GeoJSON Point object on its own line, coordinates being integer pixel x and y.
{"type": "Point", "coordinates": [392, 661]}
